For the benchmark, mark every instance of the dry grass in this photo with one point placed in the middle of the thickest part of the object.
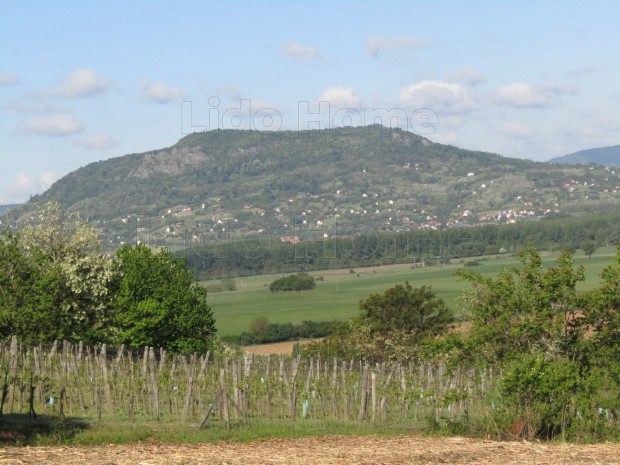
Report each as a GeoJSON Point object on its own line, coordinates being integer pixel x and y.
{"type": "Point", "coordinates": [337, 450]}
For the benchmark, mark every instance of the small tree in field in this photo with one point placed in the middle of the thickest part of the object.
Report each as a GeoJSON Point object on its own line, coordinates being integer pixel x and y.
{"type": "Point", "coordinates": [402, 308]}
{"type": "Point", "coordinates": [395, 325]}
{"type": "Point", "coordinates": [589, 248]}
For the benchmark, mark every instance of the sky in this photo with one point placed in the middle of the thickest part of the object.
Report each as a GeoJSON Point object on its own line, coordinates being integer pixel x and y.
{"type": "Point", "coordinates": [82, 81]}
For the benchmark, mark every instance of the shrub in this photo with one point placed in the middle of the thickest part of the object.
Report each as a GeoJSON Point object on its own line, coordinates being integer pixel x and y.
{"type": "Point", "coordinates": [294, 282]}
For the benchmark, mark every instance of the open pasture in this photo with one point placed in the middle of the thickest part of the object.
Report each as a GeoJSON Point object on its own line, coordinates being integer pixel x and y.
{"type": "Point", "coordinates": [338, 295]}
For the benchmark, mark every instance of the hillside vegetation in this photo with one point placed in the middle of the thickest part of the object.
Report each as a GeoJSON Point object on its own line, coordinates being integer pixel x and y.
{"type": "Point", "coordinates": [225, 186]}
{"type": "Point", "coordinates": [609, 156]}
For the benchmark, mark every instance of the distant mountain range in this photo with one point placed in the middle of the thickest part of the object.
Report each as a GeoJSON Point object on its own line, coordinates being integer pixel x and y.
{"type": "Point", "coordinates": [8, 207]}
{"type": "Point", "coordinates": [300, 185]}
{"type": "Point", "coordinates": [607, 156]}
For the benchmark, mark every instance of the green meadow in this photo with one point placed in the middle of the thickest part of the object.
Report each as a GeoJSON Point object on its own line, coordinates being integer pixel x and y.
{"type": "Point", "coordinates": [338, 295]}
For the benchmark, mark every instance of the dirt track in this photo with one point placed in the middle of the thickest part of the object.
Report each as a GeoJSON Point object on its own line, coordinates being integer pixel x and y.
{"type": "Point", "coordinates": [321, 451]}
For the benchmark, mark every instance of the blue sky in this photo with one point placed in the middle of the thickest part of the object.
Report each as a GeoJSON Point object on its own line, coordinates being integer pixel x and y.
{"type": "Point", "coordinates": [86, 81]}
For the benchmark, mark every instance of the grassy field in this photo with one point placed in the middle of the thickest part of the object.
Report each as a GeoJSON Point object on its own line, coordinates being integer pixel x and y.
{"type": "Point", "coordinates": [338, 296]}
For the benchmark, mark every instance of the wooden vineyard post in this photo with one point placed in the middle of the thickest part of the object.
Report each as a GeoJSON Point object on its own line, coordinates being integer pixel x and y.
{"type": "Point", "coordinates": [373, 377]}
{"type": "Point", "coordinates": [345, 393]}
{"type": "Point", "coordinates": [130, 388]}
{"type": "Point", "coordinates": [103, 363]}
{"type": "Point", "coordinates": [224, 397]}
{"type": "Point", "coordinates": [334, 389]}
{"type": "Point", "coordinates": [268, 387]}
{"type": "Point", "coordinates": [189, 389]}
{"type": "Point", "coordinates": [154, 390]}
{"type": "Point", "coordinates": [236, 395]}
{"type": "Point", "coordinates": [363, 395]}
{"type": "Point", "coordinates": [13, 372]}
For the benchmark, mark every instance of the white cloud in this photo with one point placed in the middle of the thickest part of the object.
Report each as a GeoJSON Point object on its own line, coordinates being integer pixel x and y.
{"type": "Point", "coordinates": [595, 128]}
{"type": "Point", "coordinates": [299, 52]}
{"type": "Point", "coordinates": [82, 83]}
{"type": "Point", "coordinates": [523, 95]}
{"type": "Point", "coordinates": [58, 124]}
{"type": "Point", "coordinates": [36, 106]}
{"type": "Point", "coordinates": [513, 129]}
{"type": "Point", "coordinates": [7, 79]}
{"type": "Point", "coordinates": [442, 96]}
{"type": "Point", "coordinates": [97, 142]}
{"type": "Point", "coordinates": [158, 92]}
{"type": "Point", "coordinates": [23, 186]}
{"type": "Point", "coordinates": [468, 76]}
{"type": "Point", "coordinates": [379, 45]}
{"type": "Point", "coordinates": [341, 97]}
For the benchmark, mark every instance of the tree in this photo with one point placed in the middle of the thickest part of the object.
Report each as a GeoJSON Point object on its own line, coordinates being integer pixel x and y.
{"type": "Point", "coordinates": [24, 309]}
{"type": "Point", "coordinates": [258, 325]}
{"type": "Point", "coordinates": [159, 303]}
{"type": "Point", "coordinates": [400, 324]}
{"type": "Point", "coordinates": [525, 309]}
{"type": "Point", "coordinates": [601, 308]}
{"type": "Point", "coordinates": [414, 311]}
{"type": "Point", "coordinates": [589, 248]}
{"type": "Point", "coordinates": [294, 282]}
{"type": "Point", "coordinates": [56, 284]}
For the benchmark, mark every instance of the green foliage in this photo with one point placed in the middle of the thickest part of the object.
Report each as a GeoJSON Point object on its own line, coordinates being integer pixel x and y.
{"type": "Point", "coordinates": [415, 311]}
{"type": "Point", "coordinates": [547, 396]}
{"type": "Point", "coordinates": [559, 349]}
{"type": "Point", "coordinates": [403, 323]}
{"type": "Point", "coordinates": [259, 325]}
{"type": "Point", "coordinates": [294, 282]}
{"type": "Point", "coordinates": [227, 170]}
{"type": "Point", "coordinates": [158, 303]}
{"type": "Point", "coordinates": [601, 316]}
{"type": "Point", "coordinates": [383, 248]}
{"type": "Point", "coordinates": [588, 248]}
{"type": "Point", "coordinates": [524, 309]}
{"type": "Point", "coordinates": [55, 285]}
{"type": "Point", "coordinates": [263, 332]}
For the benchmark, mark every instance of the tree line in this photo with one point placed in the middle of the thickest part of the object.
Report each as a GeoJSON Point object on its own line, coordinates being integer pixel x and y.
{"type": "Point", "coordinates": [422, 246]}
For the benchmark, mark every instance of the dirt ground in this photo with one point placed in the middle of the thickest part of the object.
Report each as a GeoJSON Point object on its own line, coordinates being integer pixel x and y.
{"type": "Point", "coordinates": [337, 450]}
{"type": "Point", "coordinates": [279, 348]}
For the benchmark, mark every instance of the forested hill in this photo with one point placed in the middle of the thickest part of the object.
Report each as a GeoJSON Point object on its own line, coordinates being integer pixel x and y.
{"type": "Point", "coordinates": [609, 156]}
{"type": "Point", "coordinates": [220, 183]}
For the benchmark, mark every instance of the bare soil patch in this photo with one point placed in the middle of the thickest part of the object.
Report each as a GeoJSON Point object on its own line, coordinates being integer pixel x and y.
{"type": "Point", "coordinates": [336, 450]}
{"type": "Point", "coordinates": [278, 348]}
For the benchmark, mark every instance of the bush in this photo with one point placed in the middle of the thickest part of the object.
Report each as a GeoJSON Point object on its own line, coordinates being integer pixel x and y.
{"type": "Point", "coordinates": [545, 398]}
{"type": "Point", "coordinates": [263, 332]}
{"type": "Point", "coordinates": [294, 282]}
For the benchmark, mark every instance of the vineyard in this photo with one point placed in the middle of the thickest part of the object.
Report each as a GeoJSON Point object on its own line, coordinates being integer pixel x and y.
{"type": "Point", "coordinates": [77, 380]}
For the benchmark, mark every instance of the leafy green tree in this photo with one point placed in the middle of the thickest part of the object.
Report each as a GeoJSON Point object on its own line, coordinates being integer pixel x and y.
{"type": "Point", "coordinates": [589, 248]}
{"type": "Point", "coordinates": [158, 302]}
{"type": "Point", "coordinates": [399, 324]}
{"type": "Point", "coordinates": [25, 300]}
{"type": "Point", "coordinates": [294, 282]}
{"type": "Point", "coordinates": [55, 282]}
{"type": "Point", "coordinates": [559, 350]}
{"type": "Point", "coordinates": [601, 309]}
{"type": "Point", "coordinates": [259, 325]}
{"type": "Point", "coordinates": [402, 308]}
{"type": "Point", "coordinates": [524, 309]}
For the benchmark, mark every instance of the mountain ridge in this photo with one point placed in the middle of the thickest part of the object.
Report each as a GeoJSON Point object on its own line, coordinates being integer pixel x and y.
{"type": "Point", "coordinates": [244, 182]}
{"type": "Point", "coordinates": [609, 156]}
